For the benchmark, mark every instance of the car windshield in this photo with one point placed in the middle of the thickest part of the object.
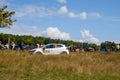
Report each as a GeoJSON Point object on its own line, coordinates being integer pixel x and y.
{"type": "Point", "coordinates": [42, 46]}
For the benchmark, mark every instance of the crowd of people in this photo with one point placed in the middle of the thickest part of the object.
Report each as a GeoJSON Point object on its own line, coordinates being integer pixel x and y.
{"type": "Point", "coordinates": [20, 46]}
{"type": "Point", "coordinates": [11, 46]}
{"type": "Point", "coordinates": [78, 48]}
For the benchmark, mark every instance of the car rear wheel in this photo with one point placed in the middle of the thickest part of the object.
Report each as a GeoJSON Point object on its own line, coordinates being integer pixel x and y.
{"type": "Point", "coordinates": [38, 53]}
{"type": "Point", "coordinates": [64, 53]}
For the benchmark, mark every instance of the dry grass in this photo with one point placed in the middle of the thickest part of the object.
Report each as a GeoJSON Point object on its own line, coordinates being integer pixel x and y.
{"type": "Point", "coordinates": [19, 65]}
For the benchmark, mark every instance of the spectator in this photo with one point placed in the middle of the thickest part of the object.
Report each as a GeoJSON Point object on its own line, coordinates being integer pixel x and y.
{"type": "Point", "coordinates": [118, 47]}
{"type": "Point", "coordinates": [1, 45]}
{"type": "Point", "coordinates": [37, 45]}
{"type": "Point", "coordinates": [21, 46]}
{"type": "Point", "coordinates": [12, 45]}
{"type": "Point", "coordinates": [7, 46]}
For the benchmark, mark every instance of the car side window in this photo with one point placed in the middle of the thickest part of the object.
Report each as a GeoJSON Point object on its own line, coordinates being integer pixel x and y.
{"type": "Point", "coordinates": [49, 46]}
{"type": "Point", "coordinates": [59, 46]}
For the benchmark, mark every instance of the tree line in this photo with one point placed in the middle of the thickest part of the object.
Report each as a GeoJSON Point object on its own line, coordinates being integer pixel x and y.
{"type": "Point", "coordinates": [31, 40]}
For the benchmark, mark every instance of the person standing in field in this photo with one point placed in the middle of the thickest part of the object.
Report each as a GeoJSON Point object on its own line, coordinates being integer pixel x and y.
{"type": "Point", "coordinates": [37, 45]}
{"type": "Point", "coordinates": [13, 45]}
{"type": "Point", "coordinates": [21, 46]}
{"type": "Point", "coordinates": [1, 45]}
{"type": "Point", "coordinates": [7, 46]}
{"type": "Point", "coordinates": [118, 47]}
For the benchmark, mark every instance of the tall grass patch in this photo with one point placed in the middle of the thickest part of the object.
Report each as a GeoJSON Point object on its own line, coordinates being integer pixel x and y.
{"type": "Point", "coordinates": [20, 65]}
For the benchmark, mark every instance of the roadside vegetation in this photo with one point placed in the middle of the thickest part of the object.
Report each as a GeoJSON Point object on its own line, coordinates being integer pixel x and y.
{"type": "Point", "coordinates": [19, 65]}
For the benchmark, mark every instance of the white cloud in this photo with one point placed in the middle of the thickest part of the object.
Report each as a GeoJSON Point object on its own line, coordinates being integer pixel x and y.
{"type": "Point", "coordinates": [95, 14]}
{"type": "Point", "coordinates": [39, 11]}
{"type": "Point", "coordinates": [52, 32]}
{"type": "Point", "coordinates": [22, 30]}
{"type": "Point", "coordinates": [62, 1]}
{"type": "Point", "coordinates": [55, 33]}
{"type": "Point", "coordinates": [72, 15]}
{"type": "Point", "coordinates": [34, 11]}
{"type": "Point", "coordinates": [86, 33]}
{"type": "Point", "coordinates": [88, 37]}
{"type": "Point", "coordinates": [83, 15]}
{"type": "Point", "coordinates": [63, 10]}
{"type": "Point", "coordinates": [80, 41]}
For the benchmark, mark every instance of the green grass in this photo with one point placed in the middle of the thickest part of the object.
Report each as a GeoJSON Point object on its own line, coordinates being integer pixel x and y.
{"type": "Point", "coordinates": [19, 65]}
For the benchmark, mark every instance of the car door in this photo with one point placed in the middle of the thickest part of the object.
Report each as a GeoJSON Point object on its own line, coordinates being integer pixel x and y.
{"type": "Point", "coordinates": [48, 49]}
{"type": "Point", "coordinates": [57, 49]}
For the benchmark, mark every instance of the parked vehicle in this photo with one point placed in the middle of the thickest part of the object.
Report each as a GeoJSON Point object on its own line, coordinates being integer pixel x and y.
{"type": "Point", "coordinates": [51, 49]}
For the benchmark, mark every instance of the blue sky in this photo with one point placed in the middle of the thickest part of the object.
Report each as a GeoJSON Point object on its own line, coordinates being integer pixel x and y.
{"type": "Point", "coordinates": [91, 21]}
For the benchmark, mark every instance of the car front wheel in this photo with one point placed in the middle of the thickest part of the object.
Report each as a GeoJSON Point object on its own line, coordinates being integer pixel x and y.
{"type": "Point", "coordinates": [38, 53]}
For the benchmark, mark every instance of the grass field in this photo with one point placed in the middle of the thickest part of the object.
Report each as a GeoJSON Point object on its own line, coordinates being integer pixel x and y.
{"type": "Point", "coordinates": [19, 65]}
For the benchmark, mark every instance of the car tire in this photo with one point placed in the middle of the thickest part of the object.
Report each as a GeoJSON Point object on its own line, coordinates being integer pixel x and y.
{"type": "Point", "coordinates": [63, 53]}
{"type": "Point", "coordinates": [39, 53]}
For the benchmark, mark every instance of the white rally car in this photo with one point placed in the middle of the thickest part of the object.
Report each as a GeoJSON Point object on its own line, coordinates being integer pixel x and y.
{"type": "Point", "coordinates": [51, 49]}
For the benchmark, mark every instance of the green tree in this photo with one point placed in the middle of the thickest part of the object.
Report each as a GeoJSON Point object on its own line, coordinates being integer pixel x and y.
{"type": "Point", "coordinates": [5, 17]}
{"type": "Point", "coordinates": [108, 45]}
